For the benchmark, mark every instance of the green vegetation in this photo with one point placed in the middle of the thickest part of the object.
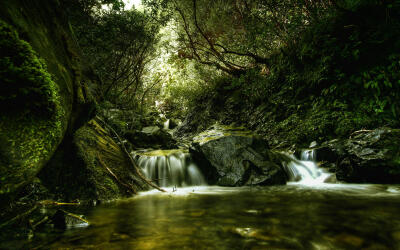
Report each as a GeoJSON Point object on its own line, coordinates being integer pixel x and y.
{"type": "Point", "coordinates": [332, 70]}
{"type": "Point", "coordinates": [31, 114]}
{"type": "Point", "coordinates": [119, 44]}
{"type": "Point", "coordinates": [94, 168]}
{"type": "Point", "coordinates": [24, 77]}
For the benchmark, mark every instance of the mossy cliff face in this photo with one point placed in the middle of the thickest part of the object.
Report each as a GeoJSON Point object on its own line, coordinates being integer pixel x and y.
{"type": "Point", "coordinates": [42, 88]}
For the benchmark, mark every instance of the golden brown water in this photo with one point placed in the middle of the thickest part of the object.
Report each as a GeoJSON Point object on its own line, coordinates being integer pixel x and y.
{"type": "Point", "coordinates": [331, 216]}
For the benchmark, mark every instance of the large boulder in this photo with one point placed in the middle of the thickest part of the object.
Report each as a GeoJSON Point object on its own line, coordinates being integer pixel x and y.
{"type": "Point", "coordinates": [151, 137]}
{"type": "Point", "coordinates": [369, 156]}
{"type": "Point", "coordinates": [234, 157]}
{"type": "Point", "coordinates": [43, 88]}
{"type": "Point", "coordinates": [92, 168]}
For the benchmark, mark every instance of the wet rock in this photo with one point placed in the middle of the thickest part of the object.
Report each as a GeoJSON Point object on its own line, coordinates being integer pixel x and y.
{"type": "Point", "coordinates": [331, 179]}
{"type": "Point", "coordinates": [234, 157]}
{"type": "Point", "coordinates": [252, 233]}
{"type": "Point", "coordinates": [173, 123]}
{"type": "Point", "coordinates": [62, 220]}
{"type": "Point", "coordinates": [371, 156]}
{"type": "Point", "coordinates": [151, 137]}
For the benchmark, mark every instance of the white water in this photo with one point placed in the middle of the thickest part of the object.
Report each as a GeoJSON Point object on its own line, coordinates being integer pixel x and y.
{"type": "Point", "coordinates": [170, 168]}
{"type": "Point", "coordinates": [306, 171]}
{"type": "Point", "coordinates": [166, 124]}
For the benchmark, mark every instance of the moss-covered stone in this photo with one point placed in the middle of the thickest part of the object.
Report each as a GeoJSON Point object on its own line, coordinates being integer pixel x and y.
{"type": "Point", "coordinates": [32, 117]}
{"type": "Point", "coordinates": [43, 88]}
{"type": "Point", "coordinates": [93, 167]}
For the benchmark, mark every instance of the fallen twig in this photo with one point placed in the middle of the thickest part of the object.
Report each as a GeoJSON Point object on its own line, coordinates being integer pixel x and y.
{"type": "Point", "coordinates": [20, 216]}
{"type": "Point", "coordinates": [129, 187]}
{"type": "Point", "coordinates": [42, 221]}
{"type": "Point", "coordinates": [75, 216]}
{"type": "Point", "coordinates": [55, 203]}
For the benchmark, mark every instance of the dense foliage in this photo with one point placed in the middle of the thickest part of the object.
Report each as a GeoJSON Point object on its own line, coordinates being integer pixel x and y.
{"type": "Point", "coordinates": [236, 35]}
{"type": "Point", "coordinates": [331, 66]}
{"type": "Point", "coordinates": [119, 44]}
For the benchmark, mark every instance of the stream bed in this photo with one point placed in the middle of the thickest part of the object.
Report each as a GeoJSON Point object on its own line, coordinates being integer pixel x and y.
{"type": "Point", "coordinates": [295, 216]}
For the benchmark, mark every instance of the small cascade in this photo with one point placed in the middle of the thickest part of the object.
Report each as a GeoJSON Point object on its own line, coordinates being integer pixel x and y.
{"type": "Point", "coordinates": [170, 168]}
{"type": "Point", "coordinates": [305, 170]}
{"type": "Point", "coordinates": [166, 124]}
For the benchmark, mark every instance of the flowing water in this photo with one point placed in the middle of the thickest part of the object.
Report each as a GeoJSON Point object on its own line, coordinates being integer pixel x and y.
{"type": "Point", "coordinates": [166, 124]}
{"type": "Point", "coordinates": [169, 168]}
{"type": "Point", "coordinates": [306, 170]}
{"type": "Point", "coordinates": [308, 214]}
{"type": "Point", "coordinates": [295, 216]}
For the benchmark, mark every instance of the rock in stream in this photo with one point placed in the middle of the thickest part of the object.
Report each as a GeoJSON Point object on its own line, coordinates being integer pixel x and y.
{"type": "Point", "coordinates": [368, 156]}
{"type": "Point", "coordinates": [231, 156]}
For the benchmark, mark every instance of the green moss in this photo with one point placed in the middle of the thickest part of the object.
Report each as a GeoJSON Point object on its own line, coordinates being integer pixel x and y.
{"type": "Point", "coordinates": [32, 116]}
{"type": "Point", "coordinates": [101, 160]}
{"type": "Point", "coordinates": [218, 131]}
{"type": "Point", "coordinates": [163, 152]}
{"type": "Point", "coordinates": [25, 83]}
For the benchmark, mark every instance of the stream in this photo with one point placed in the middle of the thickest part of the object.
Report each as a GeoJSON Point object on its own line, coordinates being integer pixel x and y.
{"type": "Point", "coordinates": [307, 213]}
{"type": "Point", "coordinates": [295, 216]}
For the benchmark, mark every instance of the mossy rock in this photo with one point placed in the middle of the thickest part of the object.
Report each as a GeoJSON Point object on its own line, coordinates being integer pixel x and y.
{"type": "Point", "coordinates": [32, 118]}
{"type": "Point", "coordinates": [43, 88]}
{"type": "Point", "coordinates": [92, 168]}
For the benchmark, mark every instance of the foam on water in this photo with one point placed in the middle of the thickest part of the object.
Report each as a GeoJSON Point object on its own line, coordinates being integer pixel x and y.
{"type": "Point", "coordinates": [170, 168]}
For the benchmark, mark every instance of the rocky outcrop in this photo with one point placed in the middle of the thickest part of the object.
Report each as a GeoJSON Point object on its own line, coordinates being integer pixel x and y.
{"type": "Point", "coordinates": [43, 88]}
{"type": "Point", "coordinates": [151, 137]}
{"type": "Point", "coordinates": [92, 168]}
{"type": "Point", "coordinates": [235, 157]}
{"type": "Point", "coordinates": [369, 156]}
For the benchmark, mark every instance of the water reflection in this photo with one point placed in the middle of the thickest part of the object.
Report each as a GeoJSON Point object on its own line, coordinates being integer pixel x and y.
{"type": "Point", "coordinates": [281, 217]}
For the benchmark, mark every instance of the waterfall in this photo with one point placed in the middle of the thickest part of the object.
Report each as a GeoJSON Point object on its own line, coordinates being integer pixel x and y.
{"type": "Point", "coordinates": [169, 168]}
{"type": "Point", "coordinates": [166, 124]}
{"type": "Point", "coordinates": [305, 170]}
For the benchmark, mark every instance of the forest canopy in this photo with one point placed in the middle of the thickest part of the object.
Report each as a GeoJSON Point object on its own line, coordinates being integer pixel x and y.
{"type": "Point", "coordinates": [171, 56]}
